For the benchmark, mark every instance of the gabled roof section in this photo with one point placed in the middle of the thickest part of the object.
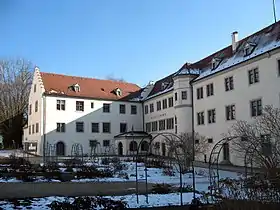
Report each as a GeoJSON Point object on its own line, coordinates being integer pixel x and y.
{"type": "Point", "coordinates": [58, 84]}
{"type": "Point", "coordinates": [263, 41]}
{"type": "Point", "coordinates": [163, 85]}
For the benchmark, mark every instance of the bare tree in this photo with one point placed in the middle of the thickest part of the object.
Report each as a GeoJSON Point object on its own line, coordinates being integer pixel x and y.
{"type": "Point", "coordinates": [260, 139]}
{"type": "Point", "coordinates": [15, 82]}
{"type": "Point", "coordinates": [181, 149]}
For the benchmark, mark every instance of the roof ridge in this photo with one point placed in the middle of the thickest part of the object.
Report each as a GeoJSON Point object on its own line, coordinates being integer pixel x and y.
{"type": "Point", "coordinates": [89, 78]}
{"type": "Point", "coordinates": [239, 41]}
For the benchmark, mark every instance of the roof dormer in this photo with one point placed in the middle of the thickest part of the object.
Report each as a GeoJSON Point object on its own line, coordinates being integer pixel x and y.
{"type": "Point", "coordinates": [249, 48]}
{"type": "Point", "coordinates": [164, 85]}
{"type": "Point", "coordinates": [118, 92]}
{"type": "Point", "coordinates": [215, 63]}
{"type": "Point", "coordinates": [76, 87]}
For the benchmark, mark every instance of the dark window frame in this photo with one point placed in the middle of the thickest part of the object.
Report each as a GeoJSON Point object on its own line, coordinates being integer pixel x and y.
{"type": "Point", "coordinates": [95, 127]}
{"type": "Point", "coordinates": [80, 106]}
{"type": "Point", "coordinates": [122, 109]}
{"type": "Point", "coordinates": [80, 127]}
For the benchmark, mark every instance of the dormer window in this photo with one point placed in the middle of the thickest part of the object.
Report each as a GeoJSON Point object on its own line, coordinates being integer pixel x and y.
{"type": "Point", "coordinates": [75, 88]}
{"type": "Point", "coordinates": [215, 63]}
{"type": "Point", "coordinates": [163, 85]}
{"type": "Point", "coordinates": [118, 91]}
{"type": "Point", "coordinates": [249, 48]}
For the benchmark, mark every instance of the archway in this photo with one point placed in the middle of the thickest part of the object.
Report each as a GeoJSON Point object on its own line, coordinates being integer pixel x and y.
{"type": "Point", "coordinates": [214, 159]}
{"type": "Point", "coordinates": [60, 149]}
{"type": "Point", "coordinates": [120, 148]}
{"type": "Point", "coordinates": [133, 146]}
{"type": "Point", "coordinates": [145, 146]}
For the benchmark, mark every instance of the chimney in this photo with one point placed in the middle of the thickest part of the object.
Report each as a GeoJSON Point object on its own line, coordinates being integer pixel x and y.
{"type": "Point", "coordinates": [234, 40]}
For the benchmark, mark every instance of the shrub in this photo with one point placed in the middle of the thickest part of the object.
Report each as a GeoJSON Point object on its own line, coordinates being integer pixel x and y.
{"type": "Point", "coordinates": [50, 167]}
{"type": "Point", "coordinates": [93, 172]}
{"type": "Point", "coordinates": [161, 189]}
{"type": "Point", "coordinates": [88, 203]}
{"type": "Point", "coordinates": [105, 161]}
{"type": "Point", "coordinates": [168, 172]}
{"type": "Point", "coordinates": [18, 162]}
{"type": "Point", "coordinates": [115, 160]}
{"type": "Point", "coordinates": [73, 162]}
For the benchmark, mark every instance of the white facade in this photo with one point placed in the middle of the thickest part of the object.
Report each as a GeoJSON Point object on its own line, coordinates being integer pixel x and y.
{"type": "Point", "coordinates": [172, 104]}
{"type": "Point", "coordinates": [48, 115]}
{"type": "Point", "coordinates": [267, 89]}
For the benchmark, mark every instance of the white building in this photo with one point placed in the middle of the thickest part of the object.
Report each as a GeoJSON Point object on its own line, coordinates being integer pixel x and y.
{"type": "Point", "coordinates": [231, 84]}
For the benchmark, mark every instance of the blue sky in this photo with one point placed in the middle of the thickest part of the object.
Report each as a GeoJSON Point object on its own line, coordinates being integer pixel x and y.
{"type": "Point", "coordinates": [138, 40]}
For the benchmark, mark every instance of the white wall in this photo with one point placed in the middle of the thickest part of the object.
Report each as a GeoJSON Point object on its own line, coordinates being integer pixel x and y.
{"type": "Point", "coordinates": [267, 89]}
{"type": "Point", "coordinates": [70, 116]}
{"type": "Point", "coordinates": [35, 117]}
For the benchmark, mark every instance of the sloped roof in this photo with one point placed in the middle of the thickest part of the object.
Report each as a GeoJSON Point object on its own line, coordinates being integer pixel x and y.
{"type": "Point", "coordinates": [266, 39]}
{"type": "Point", "coordinates": [58, 84]}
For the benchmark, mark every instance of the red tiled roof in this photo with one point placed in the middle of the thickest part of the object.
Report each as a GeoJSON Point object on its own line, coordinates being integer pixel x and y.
{"type": "Point", "coordinates": [89, 87]}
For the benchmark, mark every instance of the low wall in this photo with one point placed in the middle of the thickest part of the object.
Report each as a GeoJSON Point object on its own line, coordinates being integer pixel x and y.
{"type": "Point", "coordinates": [44, 189]}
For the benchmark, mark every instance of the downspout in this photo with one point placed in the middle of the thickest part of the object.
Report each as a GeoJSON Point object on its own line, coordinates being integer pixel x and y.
{"type": "Point", "coordinates": [44, 129]}
{"type": "Point", "coordinates": [193, 140]}
{"type": "Point", "coordinates": [143, 117]}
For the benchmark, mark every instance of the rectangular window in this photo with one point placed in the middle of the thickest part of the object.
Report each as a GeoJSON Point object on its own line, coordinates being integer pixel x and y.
{"type": "Point", "coordinates": [253, 76]}
{"type": "Point", "coordinates": [229, 83]}
{"type": "Point", "coordinates": [60, 127]}
{"type": "Point", "coordinates": [256, 107]}
{"type": "Point", "coordinates": [266, 146]}
{"type": "Point", "coordinates": [123, 127]}
{"type": "Point", "coordinates": [36, 106]}
{"type": "Point", "coordinates": [106, 143]}
{"type": "Point", "coordinates": [158, 105]}
{"type": "Point", "coordinates": [79, 106]}
{"type": "Point", "coordinates": [199, 93]}
{"type": "Point", "coordinates": [148, 127]}
{"type": "Point", "coordinates": [33, 128]}
{"type": "Point", "coordinates": [133, 109]}
{"type": "Point", "coordinates": [29, 129]}
{"type": "Point", "coordinates": [35, 88]}
{"type": "Point", "coordinates": [106, 108]}
{"type": "Point", "coordinates": [60, 105]}
{"type": "Point", "coordinates": [164, 103]}
{"type": "Point", "coordinates": [122, 108]}
{"type": "Point", "coordinates": [210, 140]}
{"type": "Point", "coordinates": [154, 126]}
{"type": "Point", "coordinates": [170, 123]}
{"type": "Point", "coordinates": [230, 112]}
{"type": "Point", "coordinates": [92, 105]}
{"type": "Point", "coordinates": [80, 127]}
{"type": "Point", "coordinates": [37, 127]}
{"type": "Point", "coordinates": [30, 109]}
{"type": "Point", "coordinates": [106, 127]}
{"type": "Point", "coordinates": [211, 116]}
{"type": "Point", "coordinates": [176, 97]}
{"type": "Point", "coordinates": [200, 118]}
{"type": "Point", "coordinates": [151, 108]}
{"type": "Point", "coordinates": [170, 102]}
{"type": "Point", "coordinates": [95, 127]}
{"type": "Point", "coordinates": [161, 124]}
{"type": "Point", "coordinates": [210, 89]}
{"type": "Point", "coordinates": [146, 109]}
{"type": "Point", "coordinates": [184, 95]}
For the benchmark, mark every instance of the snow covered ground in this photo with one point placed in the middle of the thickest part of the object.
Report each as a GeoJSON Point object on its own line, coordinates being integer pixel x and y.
{"type": "Point", "coordinates": [155, 175]}
{"type": "Point", "coordinates": [153, 201]}
{"type": "Point", "coordinates": [8, 153]}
